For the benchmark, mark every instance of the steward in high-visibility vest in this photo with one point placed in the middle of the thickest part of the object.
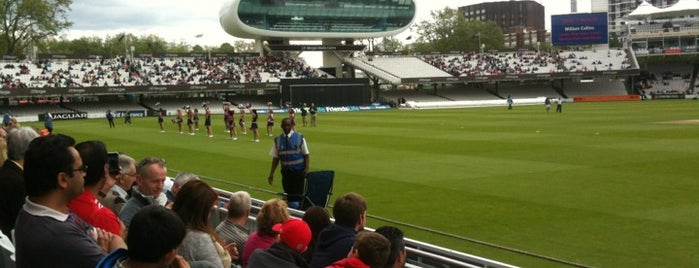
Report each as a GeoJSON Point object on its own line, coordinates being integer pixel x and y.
{"type": "Point", "coordinates": [291, 151]}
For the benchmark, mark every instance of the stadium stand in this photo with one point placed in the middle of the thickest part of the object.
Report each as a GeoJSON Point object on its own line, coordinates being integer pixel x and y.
{"type": "Point", "coordinates": [420, 254]}
{"type": "Point", "coordinates": [497, 63]}
{"type": "Point", "coordinates": [404, 67]}
{"type": "Point", "coordinates": [152, 71]}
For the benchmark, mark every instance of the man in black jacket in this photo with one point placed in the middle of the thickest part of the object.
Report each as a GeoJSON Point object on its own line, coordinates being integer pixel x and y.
{"type": "Point", "coordinates": [12, 192]}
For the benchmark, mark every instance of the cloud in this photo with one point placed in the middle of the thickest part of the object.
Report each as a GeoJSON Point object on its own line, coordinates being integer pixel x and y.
{"type": "Point", "coordinates": [174, 20]}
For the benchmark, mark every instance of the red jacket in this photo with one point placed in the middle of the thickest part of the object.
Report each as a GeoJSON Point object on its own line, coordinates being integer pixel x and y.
{"type": "Point", "coordinates": [93, 212]}
{"type": "Point", "coordinates": [348, 263]}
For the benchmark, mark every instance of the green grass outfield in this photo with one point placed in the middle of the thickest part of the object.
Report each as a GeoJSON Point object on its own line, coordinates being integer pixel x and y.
{"type": "Point", "coordinates": [602, 184]}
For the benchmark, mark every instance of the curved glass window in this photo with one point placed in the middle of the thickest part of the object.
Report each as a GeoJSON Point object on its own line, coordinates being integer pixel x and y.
{"type": "Point", "coordinates": [327, 15]}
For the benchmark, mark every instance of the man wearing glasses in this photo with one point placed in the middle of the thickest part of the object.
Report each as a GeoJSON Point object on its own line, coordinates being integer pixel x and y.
{"type": "Point", "coordinates": [86, 205]}
{"type": "Point", "coordinates": [47, 233]}
{"type": "Point", "coordinates": [121, 191]}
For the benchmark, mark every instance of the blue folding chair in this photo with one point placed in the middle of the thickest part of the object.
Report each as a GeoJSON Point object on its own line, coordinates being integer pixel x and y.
{"type": "Point", "coordinates": [319, 187]}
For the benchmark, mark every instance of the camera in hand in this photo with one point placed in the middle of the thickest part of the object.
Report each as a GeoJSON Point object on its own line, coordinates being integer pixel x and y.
{"type": "Point", "coordinates": [113, 161]}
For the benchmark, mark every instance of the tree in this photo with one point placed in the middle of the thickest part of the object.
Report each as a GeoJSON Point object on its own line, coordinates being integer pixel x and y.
{"type": "Point", "coordinates": [148, 44]}
{"type": "Point", "coordinates": [180, 47]}
{"type": "Point", "coordinates": [197, 49]}
{"type": "Point", "coordinates": [389, 44]}
{"type": "Point", "coordinates": [614, 41]}
{"type": "Point", "coordinates": [224, 48]}
{"type": "Point", "coordinates": [448, 30]}
{"type": "Point", "coordinates": [242, 46]}
{"type": "Point", "coordinates": [27, 21]}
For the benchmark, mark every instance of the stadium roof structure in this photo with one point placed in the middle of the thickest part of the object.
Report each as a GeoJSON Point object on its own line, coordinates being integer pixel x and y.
{"type": "Point", "coordinates": [316, 19]}
{"type": "Point", "coordinates": [643, 10]}
{"type": "Point", "coordinates": [681, 8]}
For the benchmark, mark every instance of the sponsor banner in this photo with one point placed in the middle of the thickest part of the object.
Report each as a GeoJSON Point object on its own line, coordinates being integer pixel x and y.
{"type": "Point", "coordinates": [331, 109]}
{"type": "Point", "coordinates": [138, 113]}
{"type": "Point", "coordinates": [316, 47]}
{"type": "Point", "coordinates": [133, 90]}
{"type": "Point", "coordinates": [64, 116]}
{"type": "Point", "coordinates": [375, 107]}
{"type": "Point", "coordinates": [667, 96]}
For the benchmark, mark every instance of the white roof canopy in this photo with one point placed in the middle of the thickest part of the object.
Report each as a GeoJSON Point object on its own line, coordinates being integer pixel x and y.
{"type": "Point", "coordinates": [644, 10]}
{"type": "Point", "coordinates": [681, 8]}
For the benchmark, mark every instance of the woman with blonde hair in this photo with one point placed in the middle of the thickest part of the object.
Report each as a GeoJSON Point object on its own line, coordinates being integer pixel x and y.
{"type": "Point", "coordinates": [272, 212]}
{"type": "Point", "coordinates": [193, 203]}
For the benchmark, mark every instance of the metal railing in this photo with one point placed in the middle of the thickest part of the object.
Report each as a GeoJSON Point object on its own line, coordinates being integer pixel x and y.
{"type": "Point", "coordinates": [419, 254]}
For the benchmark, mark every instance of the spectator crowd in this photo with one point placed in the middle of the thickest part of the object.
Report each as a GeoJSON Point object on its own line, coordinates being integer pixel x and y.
{"type": "Point", "coordinates": [68, 205]}
{"type": "Point", "coordinates": [152, 71]}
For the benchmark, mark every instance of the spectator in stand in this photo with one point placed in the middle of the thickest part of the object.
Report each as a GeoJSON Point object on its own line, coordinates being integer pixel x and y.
{"type": "Point", "coordinates": [313, 110]}
{"type": "Point", "coordinates": [152, 241]}
{"type": "Point", "coordinates": [317, 218]}
{"type": "Point", "coordinates": [254, 127]}
{"type": "Point", "coordinates": [12, 191]}
{"type": "Point", "coordinates": [86, 205]}
{"type": "Point", "coordinates": [232, 229]}
{"type": "Point", "coordinates": [121, 191]}
{"type": "Point", "coordinates": [180, 179]}
{"type": "Point", "coordinates": [272, 212]}
{"type": "Point", "coordinates": [398, 256]}
{"type": "Point", "coordinates": [370, 250]}
{"type": "Point", "coordinates": [291, 151]}
{"type": "Point", "coordinates": [349, 211]}
{"type": "Point", "coordinates": [46, 230]}
{"type": "Point", "coordinates": [201, 243]}
{"type": "Point", "coordinates": [150, 181]}
{"type": "Point", "coordinates": [294, 235]}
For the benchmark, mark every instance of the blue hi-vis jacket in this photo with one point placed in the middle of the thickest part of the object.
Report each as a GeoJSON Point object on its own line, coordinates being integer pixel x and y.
{"type": "Point", "coordinates": [290, 151]}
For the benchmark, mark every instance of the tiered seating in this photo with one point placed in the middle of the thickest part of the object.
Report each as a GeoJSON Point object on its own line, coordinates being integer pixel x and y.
{"type": "Point", "coordinates": [600, 87]}
{"type": "Point", "coordinates": [152, 71]}
{"type": "Point", "coordinates": [405, 67]}
{"type": "Point", "coordinates": [468, 64]}
{"type": "Point", "coordinates": [669, 78]}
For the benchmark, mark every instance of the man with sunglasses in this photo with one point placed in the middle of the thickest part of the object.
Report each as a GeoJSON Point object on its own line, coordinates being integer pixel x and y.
{"type": "Point", "coordinates": [47, 233]}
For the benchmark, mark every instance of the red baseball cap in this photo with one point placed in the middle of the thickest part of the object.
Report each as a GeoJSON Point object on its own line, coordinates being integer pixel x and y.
{"type": "Point", "coordinates": [294, 233]}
